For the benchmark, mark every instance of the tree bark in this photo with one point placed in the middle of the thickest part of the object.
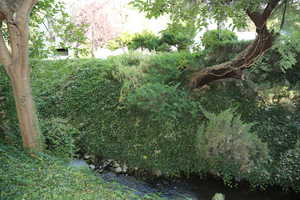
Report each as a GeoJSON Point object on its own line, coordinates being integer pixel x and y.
{"type": "Point", "coordinates": [234, 68]}
{"type": "Point", "coordinates": [26, 112]}
{"type": "Point", "coordinates": [15, 61]}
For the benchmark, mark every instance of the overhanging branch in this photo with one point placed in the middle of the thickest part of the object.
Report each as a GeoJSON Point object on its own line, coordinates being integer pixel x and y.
{"type": "Point", "coordinates": [269, 8]}
{"type": "Point", "coordinates": [234, 68]}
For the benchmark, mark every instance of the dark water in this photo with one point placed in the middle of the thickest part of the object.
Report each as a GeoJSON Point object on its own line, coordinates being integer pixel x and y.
{"type": "Point", "coordinates": [192, 189]}
{"type": "Point", "coordinates": [197, 189]}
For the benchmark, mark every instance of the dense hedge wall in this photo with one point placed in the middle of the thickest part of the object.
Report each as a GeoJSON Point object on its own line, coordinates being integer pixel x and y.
{"type": "Point", "coordinates": [135, 108]}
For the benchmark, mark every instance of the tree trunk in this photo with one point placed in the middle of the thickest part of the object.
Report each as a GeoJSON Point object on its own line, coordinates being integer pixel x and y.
{"type": "Point", "coordinates": [26, 111]}
{"type": "Point", "coordinates": [14, 57]}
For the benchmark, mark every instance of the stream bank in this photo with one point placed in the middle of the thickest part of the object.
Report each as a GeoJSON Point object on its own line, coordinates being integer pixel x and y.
{"type": "Point", "coordinates": [193, 188]}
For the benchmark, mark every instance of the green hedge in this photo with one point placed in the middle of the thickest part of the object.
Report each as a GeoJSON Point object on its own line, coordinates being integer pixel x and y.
{"type": "Point", "coordinates": [134, 108]}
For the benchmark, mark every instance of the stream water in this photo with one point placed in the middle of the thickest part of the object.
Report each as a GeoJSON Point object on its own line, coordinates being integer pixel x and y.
{"type": "Point", "coordinates": [193, 188]}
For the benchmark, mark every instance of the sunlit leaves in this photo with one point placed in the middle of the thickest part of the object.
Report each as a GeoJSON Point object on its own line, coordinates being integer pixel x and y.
{"type": "Point", "coordinates": [201, 11]}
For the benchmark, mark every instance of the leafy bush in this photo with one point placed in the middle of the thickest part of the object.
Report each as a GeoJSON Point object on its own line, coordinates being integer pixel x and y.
{"type": "Point", "coordinates": [178, 35]}
{"type": "Point", "coordinates": [288, 48]}
{"type": "Point", "coordinates": [144, 40]}
{"type": "Point", "coordinates": [278, 127]}
{"type": "Point", "coordinates": [161, 100]}
{"type": "Point", "coordinates": [120, 42]}
{"type": "Point", "coordinates": [59, 137]}
{"type": "Point", "coordinates": [226, 143]}
{"type": "Point", "coordinates": [108, 125]}
{"type": "Point", "coordinates": [214, 38]}
{"type": "Point", "coordinates": [220, 46]}
{"type": "Point", "coordinates": [289, 168]}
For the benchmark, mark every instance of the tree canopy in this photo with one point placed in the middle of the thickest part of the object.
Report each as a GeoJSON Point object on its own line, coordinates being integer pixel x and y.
{"type": "Point", "coordinates": [200, 12]}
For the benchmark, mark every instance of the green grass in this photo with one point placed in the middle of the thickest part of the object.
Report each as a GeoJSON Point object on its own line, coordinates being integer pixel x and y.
{"type": "Point", "coordinates": [23, 177]}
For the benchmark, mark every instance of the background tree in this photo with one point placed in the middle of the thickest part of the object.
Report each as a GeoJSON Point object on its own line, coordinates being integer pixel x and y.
{"type": "Point", "coordinates": [51, 27]}
{"type": "Point", "coordinates": [199, 12]}
{"type": "Point", "coordinates": [99, 17]}
{"type": "Point", "coordinates": [14, 16]}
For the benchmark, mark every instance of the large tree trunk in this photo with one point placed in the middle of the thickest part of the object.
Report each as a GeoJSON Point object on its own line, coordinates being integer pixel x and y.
{"type": "Point", "coordinates": [234, 68]}
{"type": "Point", "coordinates": [26, 111]}
{"type": "Point", "coordinates": [15, 14]}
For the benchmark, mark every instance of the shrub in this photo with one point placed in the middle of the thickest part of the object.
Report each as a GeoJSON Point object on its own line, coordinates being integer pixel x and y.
{"type": "Point", "coordinates": [228, 146]}
{"type": "Point", "coordinates": [120, 42]}
{"type": "Point", "coordinates": [217, 42]}
{"type": "Point", "coordinates": [178, 35]}
{"type": "Point", "coordinates": [59, 137]}
{"type": "Point", "coordinates": [144, 40]}
{"type": "Point", "coordinates": [214, 38]}
{"type": "Point", "coordinates": [109, 126]}
{"type": "Point", "coordinates": [288, 174]}
{"type": "Point", "coordinates": [277, 127]}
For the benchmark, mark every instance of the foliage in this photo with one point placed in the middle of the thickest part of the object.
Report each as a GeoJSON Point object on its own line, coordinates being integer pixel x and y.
{"type": "Point", "coordinates": [213, 39]}
{"type": "Point", "coordinates": [216, 54]}
{"type": "Point", "coordinates": [121, 41]}
{"type": "Point", "coordinates": [199, 12]}
{"type": "Point", "coordinates": [59, 137]}
{"type": "Point", "coordinates": [283, 57]}
{"type": "Point", "coordinates": [289, 50]}
{"type": "Point", "coordinates": [51, 27]}
{"type": "Point", "coordinates": [45, 177]}
{"type": "Point", "coordinates": [291, 18]}
{"type": "Point", "coordinates": [179, 35]}
{"type": "Point", "coordinates": [135, 108]}
{"type": "Point", "coordinates": [288, 170]}
{"type": "Point", "coordinates": [175, 35]}
{"type": "Point", "coordinates": [227, 143]}
{"type": "Point", "coordinates": [144, 40]}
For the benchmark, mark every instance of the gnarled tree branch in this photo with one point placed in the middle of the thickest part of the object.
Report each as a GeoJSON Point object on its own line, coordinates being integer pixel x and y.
{"type": "Point", "coordinates": [234, 68]}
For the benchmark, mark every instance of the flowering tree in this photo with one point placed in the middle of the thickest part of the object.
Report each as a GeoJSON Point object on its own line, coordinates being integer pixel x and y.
{"type": "Point", "coordinates": [102, 20]}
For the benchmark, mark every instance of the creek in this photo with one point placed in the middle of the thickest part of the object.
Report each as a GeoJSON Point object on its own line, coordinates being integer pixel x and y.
{"type": "Point", "coordinates": [193, 188]}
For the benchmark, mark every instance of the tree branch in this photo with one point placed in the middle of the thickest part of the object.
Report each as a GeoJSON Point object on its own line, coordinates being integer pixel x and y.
{"type": "Point", "coordinates": [255, 18]}
{"type": "Point", "coordinates": [269, 9]}
{"type": "Point", "coordinates": [234, 68]}
{"type": "Point", "coordinates": [260, 18]}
